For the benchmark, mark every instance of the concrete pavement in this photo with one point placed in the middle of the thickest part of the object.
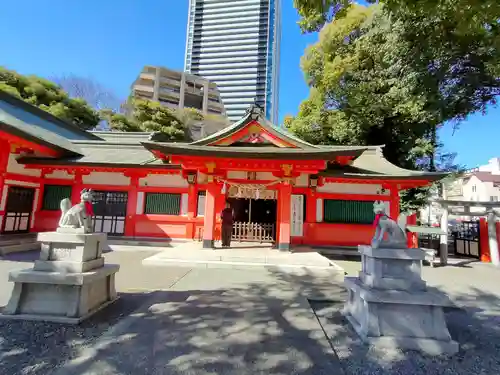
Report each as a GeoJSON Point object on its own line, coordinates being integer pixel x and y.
{"type": "Point", "coordinates": [241, 321]}
{"type": "Point", "coordinates": [216, 322]}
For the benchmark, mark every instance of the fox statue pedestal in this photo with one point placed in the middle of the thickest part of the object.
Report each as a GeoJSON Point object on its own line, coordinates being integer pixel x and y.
{"type": "Point", "coordinates": [70, 281]}
{"type": "Point", "coordinates": [389, 305]}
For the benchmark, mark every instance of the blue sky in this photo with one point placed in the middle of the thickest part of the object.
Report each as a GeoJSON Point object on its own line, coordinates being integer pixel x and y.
{"type": "Point", "coordinates": [110, 40]}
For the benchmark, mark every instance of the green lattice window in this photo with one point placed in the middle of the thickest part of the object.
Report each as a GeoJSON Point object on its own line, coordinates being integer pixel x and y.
{"type": "Point", "coordinates": [53, 195]}
{"type": "Point", "coordinates": [348, 212]}
{"type": "Point", "coordinates": [163, 204]}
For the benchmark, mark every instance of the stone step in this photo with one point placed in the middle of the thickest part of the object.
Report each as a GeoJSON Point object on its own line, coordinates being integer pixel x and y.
{"type": "Point", "coordinates": [17, 239]}
{"type": "Point", "coordinates": [339, 250]}
{"type": "Point", "coordinates": [144, 241]}
{"type": "Point", "coordinates": [19, 247]}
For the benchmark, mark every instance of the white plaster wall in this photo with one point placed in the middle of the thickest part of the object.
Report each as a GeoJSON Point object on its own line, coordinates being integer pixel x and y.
{"type": "Point", "coordinates": [480, 193]}
{"type": "Point", "coordinates": [184, 204]}
{"type": "Point", "coordinates": [237, 175]}
{"type": "Point", "coordinates": [3, 200]}
{"type": "Point", "coordinates": [345, 188]}
{"type": "Point", "coordinates": [302, 180]}
{"type": "Point", "coordinates": [35, 207]}
{"type": "Point", "coordinates": [14, 167]}
{"type": "Point", "coordinates": [22, 183]}
{"type": "Point", "coordinates": [106, 178]}
{"type": "Point", "coordinates": [202, 178]}
{"type": "Point", "coordinates": [265, 176]}
{"type": "Point", "coordinates": [164, 180]}
{"type": "Point", "coordinates": [139, 210]}
{"type": "Point", "coordinates": [63, 175]}
{"type": "Point", "coordinates": [319, 210]}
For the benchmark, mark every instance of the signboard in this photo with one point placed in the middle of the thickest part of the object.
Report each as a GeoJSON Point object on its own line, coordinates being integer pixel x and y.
{"type": "Point", "coordinates": [297, 215]}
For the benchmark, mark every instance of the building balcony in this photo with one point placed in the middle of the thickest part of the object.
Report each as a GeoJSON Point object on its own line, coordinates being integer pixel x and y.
{"type": "Point", "coordinates": [144, 88]}
{"type": "Point", "coordinates": [147, 76]}
{"type": "Point", "coordinates": [168, 94]}
{"type": "Point", "coordinates": [170, 82]}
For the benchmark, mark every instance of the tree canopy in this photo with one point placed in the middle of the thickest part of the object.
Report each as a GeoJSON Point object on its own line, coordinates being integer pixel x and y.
{"type": "Point", "coordinates": [50, 97]}
{"type": "Point", "coordinates": [151, 116]}
{"type": "Point", "coordinates": [393, 74]}
{"type": "Point", "coordinates": [466, 15]}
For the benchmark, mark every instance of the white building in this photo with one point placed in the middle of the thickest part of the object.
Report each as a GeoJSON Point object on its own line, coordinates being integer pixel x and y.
{"type": "Point", "coordinates": [236, 44]}
{"type": "Point", "coordinates": [480, 184]}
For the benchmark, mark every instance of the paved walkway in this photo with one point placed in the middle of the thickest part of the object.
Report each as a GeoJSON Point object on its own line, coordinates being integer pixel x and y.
{"type": "Point", "coordinates": [231, 321]}
{"type": "Point", "coordinates": [216, 322]}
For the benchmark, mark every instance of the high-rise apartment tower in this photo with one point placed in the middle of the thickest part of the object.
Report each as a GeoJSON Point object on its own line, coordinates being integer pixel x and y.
{"type": "Point", "coordinates": [236, 44]}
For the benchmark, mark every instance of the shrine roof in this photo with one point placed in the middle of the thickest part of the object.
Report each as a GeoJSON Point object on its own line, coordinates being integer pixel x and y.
{"type": "Point", "coordinates": [372, 165]}
{"type": "Point", "coordinates": [34, 125]}
{"type": "Point", "coordinates": [105, 154]}
{"type": "Point", "coordinates": [254, 115]}
{"type": "Point", "coordinates": [270, 153]}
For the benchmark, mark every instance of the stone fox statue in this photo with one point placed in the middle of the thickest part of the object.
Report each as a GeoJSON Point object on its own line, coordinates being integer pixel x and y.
{"type": "Point", "coordinates": [80, 215]}
{"type": "Point", "coordinates": [396, 231]}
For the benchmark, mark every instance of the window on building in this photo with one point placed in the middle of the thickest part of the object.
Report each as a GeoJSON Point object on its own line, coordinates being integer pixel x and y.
{"type": "Point", "coordinates": [348, 212]}
{"type": "Point", "coordinates": [493, 199]}
{"type": "Point", "coordinates": [53, 195]}
{"type": "Point", "coordinates": [162, 204]}
{"type": "Point", "coordinates": [201, 203]}
{"type": "Point", "coordinates": [474, 188]}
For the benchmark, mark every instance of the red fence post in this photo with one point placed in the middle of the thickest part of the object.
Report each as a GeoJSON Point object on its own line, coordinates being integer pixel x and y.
{"type": "Point", "coordinates": [412, 237]}
{"type": "Point", "coordinates": [484, 246]}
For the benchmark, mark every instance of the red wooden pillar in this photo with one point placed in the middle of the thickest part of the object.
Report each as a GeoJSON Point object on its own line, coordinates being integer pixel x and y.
{"type": "Point", "coordinates": [192, 210]}
{"type": "Point", "coordinates": [394, 204]}
{"type": "Point", "coordinates": [412, 237]}
{"type": "Point", "coordinates": [284, 216]}
{"type": "Point", "coordinates": [311, 206]}
{"type": "Point", "coordinates": [131, 206]}
{"type": "Point", "coordinates": [213, 190]}
{"type": "Point", "coordinates": [77, 188]}
{"type": "Point", "coordinates": [310, 213]}
{"type": "Point", "coordinates": [4, 161]}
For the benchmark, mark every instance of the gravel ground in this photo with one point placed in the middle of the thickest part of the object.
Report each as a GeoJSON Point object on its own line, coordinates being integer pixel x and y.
{"type": "Point", "coordinates": [478, 334]}
{"type": "Point", "coordinates": [38, 348]}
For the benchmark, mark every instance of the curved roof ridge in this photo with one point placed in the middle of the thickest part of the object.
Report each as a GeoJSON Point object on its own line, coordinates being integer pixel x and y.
{"type": "Point", "coordinates": [254, 113]}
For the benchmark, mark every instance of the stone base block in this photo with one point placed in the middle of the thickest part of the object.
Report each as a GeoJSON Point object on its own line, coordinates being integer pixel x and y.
{"type": "Point", "coordinates": [428, 346]}
{"type": "Point", "coordinates": [407, 320]}
{"type": "Point", "coordinates": [72, 247]}
{"type": "Point", "coordinates": [59, 297]}
{"type": "Point", "coordinates": [68, 266]}
{"type": "Point", "coordinates": [389, 269]}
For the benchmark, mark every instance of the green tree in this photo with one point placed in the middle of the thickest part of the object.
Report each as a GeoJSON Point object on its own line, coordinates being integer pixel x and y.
{"type": "Point", "coordinates": [466, 15]}
{"type": "Point", "coordinates": [169, 124]}
{"type": "Point", "coordinates": [147, 116]}
{"type": "Point", "coordinates": [50, 97]}
{"type": "Point", "coordinates": [373, 83]}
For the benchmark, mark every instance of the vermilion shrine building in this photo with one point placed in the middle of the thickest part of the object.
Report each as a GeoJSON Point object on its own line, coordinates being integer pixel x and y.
{"type": "Point", "coordinates": [282, 189]}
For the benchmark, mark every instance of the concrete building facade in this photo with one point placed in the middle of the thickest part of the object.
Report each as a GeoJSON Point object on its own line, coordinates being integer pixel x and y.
{"type": "Point", "coordinates": [236, 43]}
{"type": "Point", "coordinates": [178, 90]}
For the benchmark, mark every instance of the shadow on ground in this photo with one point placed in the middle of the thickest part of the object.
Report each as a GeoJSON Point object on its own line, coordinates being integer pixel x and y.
{"type": "Point", "coordinates": [25, 256]}
{"type": "Point", "coordinates": [28, 347]}
{"type": "Point", "coordinates": [257, 328]}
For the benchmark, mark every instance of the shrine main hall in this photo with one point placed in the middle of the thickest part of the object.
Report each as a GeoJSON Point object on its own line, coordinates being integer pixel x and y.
{"type": "Point", "coordinates": [282, 189]}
